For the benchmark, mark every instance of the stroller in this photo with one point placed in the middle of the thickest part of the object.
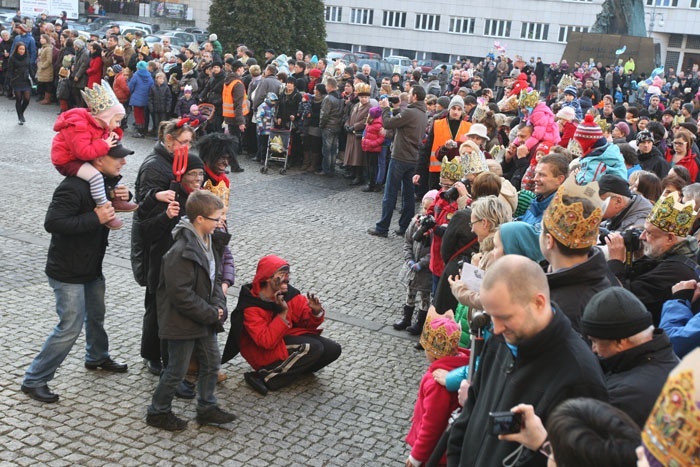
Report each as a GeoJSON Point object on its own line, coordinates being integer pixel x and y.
{"type": "Point", "coordinates": [278, 149]}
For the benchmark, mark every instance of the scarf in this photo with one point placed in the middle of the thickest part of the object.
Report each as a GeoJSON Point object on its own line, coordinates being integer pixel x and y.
{"type": "Point", "coordinates": [218, 178]}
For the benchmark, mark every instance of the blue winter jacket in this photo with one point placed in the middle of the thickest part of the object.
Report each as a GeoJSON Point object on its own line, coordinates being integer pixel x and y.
{"type": "Point", "coordinates": [602, 160]}
{"type": "Point", "coordinates": [681, 326]}
{"type": "Point", "coordinates": [534, 213]}
{"type": "Point", "coordinates": [139, 85]}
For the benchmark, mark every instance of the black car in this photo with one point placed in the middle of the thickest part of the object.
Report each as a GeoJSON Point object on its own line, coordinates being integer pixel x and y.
{"type": "Point", "coordinates": [380, 68]}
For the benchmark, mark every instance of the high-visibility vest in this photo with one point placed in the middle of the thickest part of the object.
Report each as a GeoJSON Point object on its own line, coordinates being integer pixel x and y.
{"type": "Point", "coordinates": [442, 133]}
{"type": "Point", "coordinates": [227, 97]}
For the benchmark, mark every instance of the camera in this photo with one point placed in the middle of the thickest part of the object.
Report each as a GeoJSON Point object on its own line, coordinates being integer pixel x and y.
{"type": "Point", "coordinates": [505, 423]}
{"type": "Point", "coordinates": [426, 223]}
{"type": "Point", "coordinates": [630, 236]}
{"type": "Point", "coordinates": [451, 194]}
{"type": "Point", "coordinates": [392, 99]}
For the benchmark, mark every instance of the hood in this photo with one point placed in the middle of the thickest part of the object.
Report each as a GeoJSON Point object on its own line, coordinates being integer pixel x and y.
{"type": "Point", "coordinates": [143, 76]}
{"type": "Point", "coordinates": [80, 119]}
{"type": "Point", "coordinates": [655, 152]}
{"type": "Point", "coordinates": [267, 266]}
{"type": "Point", "coordinates": [591, 272]}
{"type": "Point", "coordinates": [183, 226]}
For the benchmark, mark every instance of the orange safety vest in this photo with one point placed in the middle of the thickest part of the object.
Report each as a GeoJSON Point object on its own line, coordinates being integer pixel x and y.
{"type": "Point", "coordinates": [442, 133]}
{"type": "Point", "coordinates": [227, 97]}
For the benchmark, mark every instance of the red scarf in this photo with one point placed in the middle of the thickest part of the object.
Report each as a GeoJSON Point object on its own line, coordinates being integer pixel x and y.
{"type": "Point", "coordinates": [218, 178]}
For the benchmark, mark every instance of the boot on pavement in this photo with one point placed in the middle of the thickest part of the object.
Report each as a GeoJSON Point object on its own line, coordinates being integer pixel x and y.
{"type": "Point", "coordinates": [405, 320]}
{"type": "Point", "coordinates": [417, 328]}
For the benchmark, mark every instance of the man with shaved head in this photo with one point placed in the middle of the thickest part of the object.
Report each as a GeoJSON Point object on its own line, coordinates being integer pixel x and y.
{"type": "Point", "coordinates": [534, 357]}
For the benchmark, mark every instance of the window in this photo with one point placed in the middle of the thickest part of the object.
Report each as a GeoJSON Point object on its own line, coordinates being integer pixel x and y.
{"type": "Point", "coordinates": [334, 14]}
{"type": "Point", "coordinates": [394, 19]}
{"type": "Point", "coordinates": [669, 3]}
{"type": "Point", "coordinates": [428, 22]}
{"type": "Point", "coordinates": [462, 25]}
{"type": "Point", "coordinates": [565, 30]}
{"type": "Point", "coordinates": [361, 16]}
{"type": "Point", "coordinates": [534, 31]}
{"type": "Point", "coordinates": [497, 28]}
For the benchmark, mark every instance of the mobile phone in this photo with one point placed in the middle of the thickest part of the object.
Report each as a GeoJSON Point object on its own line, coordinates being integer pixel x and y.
{"type": "Point", "coordinates": [504, 423]}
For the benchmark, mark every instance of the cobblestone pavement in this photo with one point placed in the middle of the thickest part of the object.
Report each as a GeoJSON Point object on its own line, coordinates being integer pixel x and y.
{"type": "Point", "coordinates": [356, 411]}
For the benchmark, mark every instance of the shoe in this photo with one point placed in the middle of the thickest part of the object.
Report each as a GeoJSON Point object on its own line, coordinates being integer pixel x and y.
{"type": "Point", "coordinates": [40, 393]}
{"type": "Point", "coordinates": [115, 224]}
{"type": "Point", "coordinates": [185, 390]}
{"type": "Point", "coordinates": [405, 320]}
{"type": "Point", "coordinates": [418, 346]}
{"type": "Point", "coordinates": [319, 172]}
{"type": "Point", "coordinates": [238, 170]}
{"type": "Point", "coordinates": [138, 135]}
{"type": "Point", "coordinates": [214, 415]}
{"type": "Point", "coordinates": [167, 421]}
{"type": "Point", "coordinates": [122, 205]}
{"type": "Point", "coordinates": [221, 377]}
{"type": "Point", "coordinates": [399, 232]}
{"type": "Point", "coordinates": [357, 181]}
{"type": "Point", "coordinates": [368, 189]}
{"type": "Point", "coordinates": [108, 365]}
{"type": "Point", "coordinates": [22, 119]}
{"type": "Point", "coordinates": [20, 122]}
{"type": "Point", "coordinates": [417, 328]}
{"type": "Point", "coordinates": [376, 233]}
{"type": "Point", "coordinates": [154, 367]}
{"type": "Point", "coordinates": [256, 382]}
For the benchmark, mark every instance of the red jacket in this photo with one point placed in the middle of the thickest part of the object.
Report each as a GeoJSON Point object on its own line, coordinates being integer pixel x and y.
{"type": "Point", "coordinates": [121, 88]}
{"type": "Point", "coordinates": [443, 212]}
{"type": "Point", "coordinates": [373, 139]}
{"type": "Point", "coordinates": [262, 336]}
{"type": "Point", "coordinates": [568, 134]}
{"type": "Point", "coordinates": [688, 162]}
{"type": "Point", "coordinates": [94, 71]}
{"type": "Point", "coordinates": [80, 138]}
{"type": "Point", "coordinates": [433, 408]}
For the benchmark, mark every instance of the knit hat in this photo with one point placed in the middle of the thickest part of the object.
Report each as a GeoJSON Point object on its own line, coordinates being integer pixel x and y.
{"type": "Point", "coordinates": [525, 198]}
{"type": "Point", "coordinates": [141, 65]}
{"type": "Point", "coordinates": [567, 113]}
{"type": "Point", "coordinates": [362, 78]}
{"type": "Point", "coordinates": [440, 336]}
{"type": "Point", "coordinates": [194, 108]}
{"type": "Point", "coordinates": [571, 90]}
{"type": "Point", "coordinates": [432, 194]}
{"type": "Point", "coordinates": [267, 267]}
{"type": "Point", "coordinates": [213, 37]}
{"type": "Point", "coordinates": [614, 313]}
{"type": "Point", "coordinates": [187, 89]}
{"type": "Point", "coordinates": [117, 68]}
{"type": "Point", "coordinates": [623, 128]}
{"type": "Point", "coordinates": [315, 73]}
{"type": "Point", "coordinates": [444, 102]}
{"type": "Point", "coordinates": [194, 162]}
{"type": "Point", "coordinates": [375, 112]}
{"type": "Point", "coordinates": [456, 101]}
{"type": "Point", "coordinates": [521, 238]}
{"type": "Point", "coordinates": [543, 148]}
{"type": "Point", "coordinates": [587, 133]}
{"type": "Point", "coordinates": [645, 135]}
{"type": "Point", "coordinates": [610, 183]}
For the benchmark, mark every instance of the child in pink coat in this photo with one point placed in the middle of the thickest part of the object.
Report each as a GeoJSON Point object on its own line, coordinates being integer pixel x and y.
{"type": "Point", "coordinates": [372, 141]}
{"type": "Point", "coordinates": [540, 117]}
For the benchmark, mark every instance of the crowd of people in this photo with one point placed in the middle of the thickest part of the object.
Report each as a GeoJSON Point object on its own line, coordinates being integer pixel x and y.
{"type": "Point", "coordinates": [570, 194]}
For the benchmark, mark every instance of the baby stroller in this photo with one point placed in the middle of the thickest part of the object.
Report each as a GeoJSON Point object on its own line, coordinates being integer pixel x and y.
{"type": "Point", "coordinates": [278, 149]}
{"type": "Point", "coordinates": [206, 111]}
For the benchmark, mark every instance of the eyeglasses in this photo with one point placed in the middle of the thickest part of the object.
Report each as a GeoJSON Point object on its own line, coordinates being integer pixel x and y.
{"type": "Point", "coordinates": [195, 175]}
{"type": "Point", "coordinates": [213, 219]}
{"type": "Point", "coordinates": [680, 143]}
{"type": "Point", "coordinates": [183, 143]}
{"type": "Point", "coordinates": [475, 222]}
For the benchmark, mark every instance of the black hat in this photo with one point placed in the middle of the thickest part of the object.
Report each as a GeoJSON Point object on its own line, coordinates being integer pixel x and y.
{"type": "Point", "coordinates": [669, 112]}
{"type": "Point", "coordinates": [609, 183]}
{"type": "Point", "coordinates": [217, 62]}
{"type": "Point", "coordinates": [194, 162]}
{"type": "Point", "coordinates": [362, 78]}
{"type": "Point", "coordinates": [119, 151]}
{"type": "Point", "coordinates": [321, 88]}
{"type": "Point", "coordinates": [620, 111]}
{"type": "Point", "coordinates": [270, 51]}
{"type": "Point", "coordinates": [182, 57]}
{"type": "Point", "coordinates": [613, 314]}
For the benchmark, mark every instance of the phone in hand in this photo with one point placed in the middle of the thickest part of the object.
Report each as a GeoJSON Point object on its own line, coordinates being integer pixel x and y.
{"type": "Point", "coordinates": [505, 423]}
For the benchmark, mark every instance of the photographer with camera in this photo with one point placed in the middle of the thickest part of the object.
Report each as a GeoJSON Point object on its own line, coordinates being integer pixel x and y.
{"type": "Point", "coordinates": [623, 210]}
{"type": "Point", "coordinates": [669, 254]}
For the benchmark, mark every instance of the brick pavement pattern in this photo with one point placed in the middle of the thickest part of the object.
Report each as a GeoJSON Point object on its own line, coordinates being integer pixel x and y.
{"type": "Point", "coordinates": [356, 411]}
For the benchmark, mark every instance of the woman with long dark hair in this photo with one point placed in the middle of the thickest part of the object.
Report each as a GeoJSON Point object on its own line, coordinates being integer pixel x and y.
{"type": "Point", "coordinates": [19, 69]}
{"type": "Point", "coordinates": [94, 71]}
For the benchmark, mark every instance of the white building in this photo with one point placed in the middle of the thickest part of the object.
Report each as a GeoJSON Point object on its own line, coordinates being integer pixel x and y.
{"type": "Point", "coordinates": [448, 29]}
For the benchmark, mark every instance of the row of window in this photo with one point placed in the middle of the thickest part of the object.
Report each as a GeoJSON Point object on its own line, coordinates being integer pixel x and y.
{"type": "Point", "coordinates": [458, 25]}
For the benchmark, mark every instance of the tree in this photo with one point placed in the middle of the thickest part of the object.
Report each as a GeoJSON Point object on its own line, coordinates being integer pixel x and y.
{"type": "Point", "coordinates": [285, 26]}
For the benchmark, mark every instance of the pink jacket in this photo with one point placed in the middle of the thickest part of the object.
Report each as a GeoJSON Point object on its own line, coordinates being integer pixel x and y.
{"type": "Point", "coordinates": [545, 127]}
{"type": "Point", "coordinates": [373, 139]}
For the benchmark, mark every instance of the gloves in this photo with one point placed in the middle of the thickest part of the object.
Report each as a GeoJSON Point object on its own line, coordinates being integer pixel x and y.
{"type": "Point", "coordinates": [416, 267]}
{"type": "Point", "coordinates": [411, 264]}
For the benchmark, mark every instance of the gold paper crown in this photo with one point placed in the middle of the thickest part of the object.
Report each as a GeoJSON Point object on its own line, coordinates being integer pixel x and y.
{"type": "Point", "coordinates": [100, 97]}
{"type": "Point", "coordinates": [220, 190]}
{"type": "Point", "coordinates": [528, 99]}
{"type": "Point", "coordinates": [362, 88]}
{"type": "Point", "coordinates": [144, 50]}
{"type": "Point", "coordinates": [672, 216]}
{"type": "Point", "coordinates": [567, 222]}
{"type": "Point", "coordinates": [603, 124]}
{"type": "Point", "coordinates": [473, 160]}
{"type": "Point", "coordinates": [188, 64]}
{"type": "Point", "coordinates": [119, 51]}
{"type": "Point", "coordinates": [437, 340]}
{"type": "Point", "coordinates": [451, 169]}
{"type": "Point", "coordinates": [566, 80]}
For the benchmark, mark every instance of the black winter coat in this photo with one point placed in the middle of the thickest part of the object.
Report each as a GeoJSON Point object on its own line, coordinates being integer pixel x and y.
{"type": "Point", "coordinates": [78, 240]}
{"type": "Point", "coordinates": [18, 70]}
{"type": "Point", "coordinates": [554, 365]}
{"type": "Point", "coordinates": [187, 300]}
{"type": "Point", "coordinates": [159, 98]}
{"type": "Point", "coordinates": [654, 161]}
{"type": "Point", "coordinates": [636, 376]}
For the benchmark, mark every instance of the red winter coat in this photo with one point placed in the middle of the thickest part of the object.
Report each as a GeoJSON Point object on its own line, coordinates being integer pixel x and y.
{"type": "Point", "coordinates": [121, 88]}
{"type": "Point", "coordinates": [688, 162]}
{"type": "Point", "coordinates": [80, 138]}
{"type": "Point", "coordinates": [433, 408]}
{"type": "Point", "coordinates": [568, 134]}
{"type": "Point", "coordinates": [373, 139]}
{"type": "Point", "coordinates": [443, 212]}
{"type": "Point", "coordinates": [94, 71]}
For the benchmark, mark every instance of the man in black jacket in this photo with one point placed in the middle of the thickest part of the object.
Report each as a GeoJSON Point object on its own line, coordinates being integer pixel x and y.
{"type": "Point", "coordinates": [534, 357]}
{"type": "Point", "coordinates": [636, 358]}
{"type": "Point", "coordinates": [74, 268]}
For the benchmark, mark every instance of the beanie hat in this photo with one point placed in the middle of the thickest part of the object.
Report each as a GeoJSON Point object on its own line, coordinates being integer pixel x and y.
{"type": "Point", "coordinates": [315, 73]}
{"type": "Point", "coordinates": [543, 148]}
{"type": "Point", "coordinates": [521, 238]}
{"type": "Point", "coordinates": [620, 112]}
{"type": "Point", "coordinates": [194, 162]}
{"type": "Point", "coordinates": [213, 37]}
{"type": "Point", "coordinates": [117, 68]}
{"type": "Point", "coordinates": [432, 194]}
{"type": "Point", "coordinates": [610, 183]}
{"type": "Point", "coordinates": [571, 90]}
{"type": "Point", "coordinates": [567, 113]}
{"type": "Point", "coordinates": [375, 112]}
{"type": "Point", "coordinates": [443, 101]}
{"type": "Point", "coordinates": [187, 89]}
{"type": "Point", "coordinates": [613, 314]}
{"type": "Point", "coordinates": [456, 101]}
{"type": "Point", "coordinates": [587, 133]}
{"type": "Point", "coordinates": [194, 108]}
{"type": "Point", "coordinates": [141, 65]}
{"type": "Point", "coordinates": [440, 336]}
{"type": "Point", "coordinates": [623, 128]}
{"type": "Point", "coordinates": [645, 135]}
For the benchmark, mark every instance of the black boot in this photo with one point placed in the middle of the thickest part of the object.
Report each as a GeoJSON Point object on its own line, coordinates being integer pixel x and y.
{"type": "Point", "coordinates": [417, 328]}
{"type": "Point", "coordinates": [359, 176]}
{"type": "Point", "coordinates": [405, 320]}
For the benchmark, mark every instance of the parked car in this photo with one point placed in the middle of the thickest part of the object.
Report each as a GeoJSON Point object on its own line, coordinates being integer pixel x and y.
{"type": "Point", "coordinates": [339, 54]}
{"type": "Point", "coordinates": [436, 69]}
{"type": "Point", "coordinates": [400, 64]}
{"type": "Point", "coordinates": [427, 65]}
{"type": "Point", "coordinates": [371, 55]}
{"type": "Point", "coordinates": [202, 35]}
{"type": "Point", "coordinates": [174, 41]}
{"type": "Point", "coordinates": [185, 36]}
{"type": "Point", "coordinates": [379, 68]}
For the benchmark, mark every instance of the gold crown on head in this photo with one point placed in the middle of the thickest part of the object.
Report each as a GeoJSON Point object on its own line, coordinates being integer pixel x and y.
{"type": "Point", "coordinates": [672, 216]}
{"type": "Point", "coordinates": [603, 124]}
{"type": "Point", "coordinates": [451, 169]}
{"type": "Point", "coordinates": [100, 97]}
{"type": "Point", "coordinates": [567, 222]}
{"type": "Point", "coordinates": [528, 99]}
{"type": "Point", "coordinates": [473, 159]}
{"type": "Point", "coordinates": [441, 339]}
{"type": "Point", "coordinates": [188, 64]}
{"type": "Point", "coordinates": [566, 80]}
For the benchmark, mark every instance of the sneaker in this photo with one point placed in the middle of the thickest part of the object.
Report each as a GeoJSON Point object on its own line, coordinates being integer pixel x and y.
{"type": "Point", "coordinates": [185, 390]}
{"type": "Point", "coordinates": [166, 421]}
{"type": "Point", "coordinates": [256, 382]}
{"type": "Point", "coordinates": [214, 415]}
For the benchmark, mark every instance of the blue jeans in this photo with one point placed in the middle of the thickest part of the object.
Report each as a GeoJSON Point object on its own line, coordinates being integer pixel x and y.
{"type": "Point", "coordinates": [400, 174]}
{"type": "Point", "coordinates": [329, 150]}
{"type": "Point", "coordinates": [206, 349]}
{"type": "Point", "coordinates": [75, 304]}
